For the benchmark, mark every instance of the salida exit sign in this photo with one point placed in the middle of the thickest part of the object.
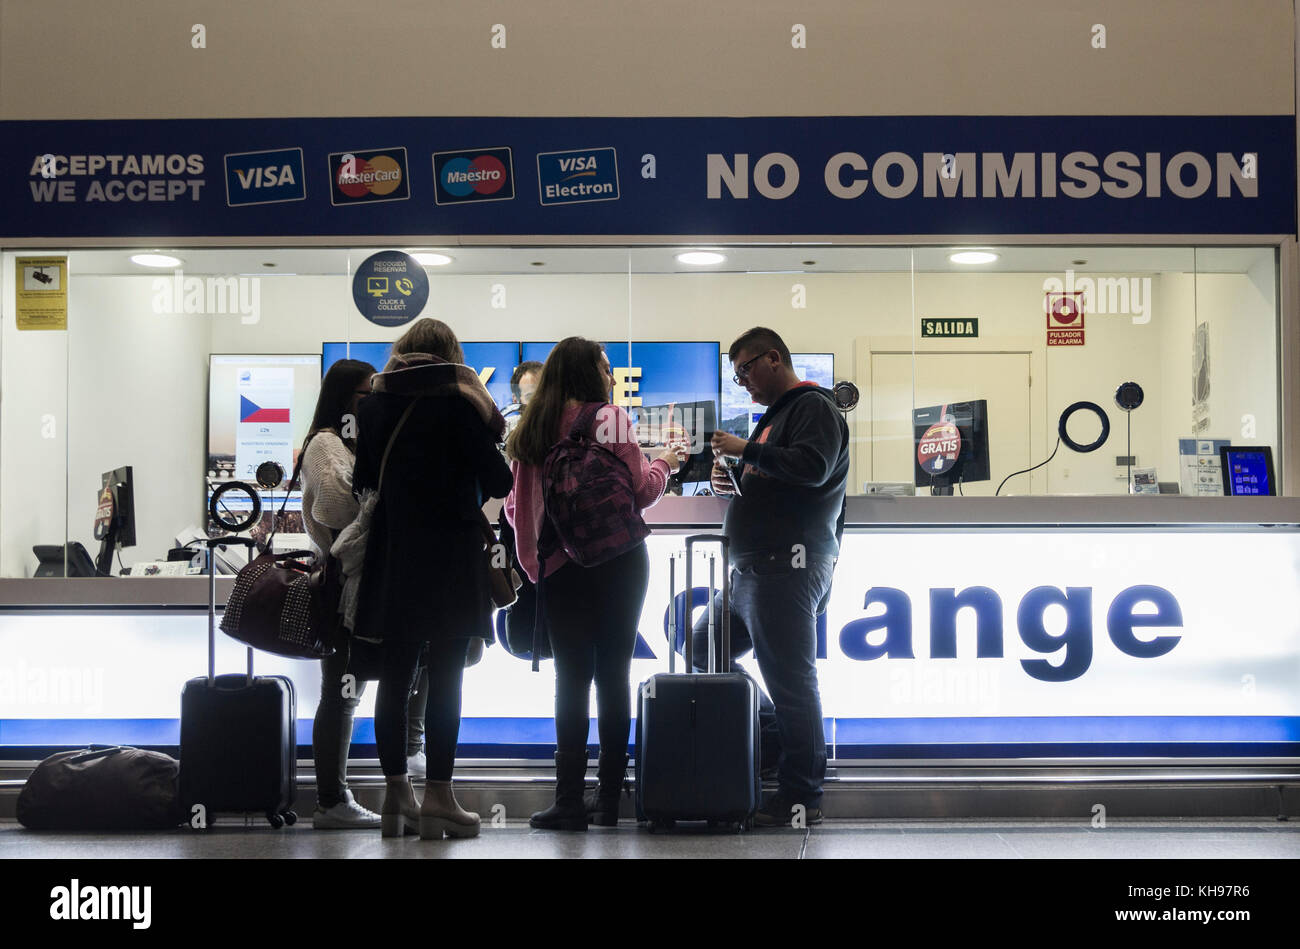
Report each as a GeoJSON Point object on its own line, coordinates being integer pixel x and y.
{"type": "Point", "coordinates": [957, 326]}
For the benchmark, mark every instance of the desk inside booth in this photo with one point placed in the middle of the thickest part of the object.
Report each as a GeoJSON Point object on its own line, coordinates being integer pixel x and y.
{"type": "Point", "coordinates": [1073, 629]}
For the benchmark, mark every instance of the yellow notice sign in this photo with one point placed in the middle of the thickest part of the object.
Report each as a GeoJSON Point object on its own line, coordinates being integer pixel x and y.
{"type": "Point", "coordinates": [42, 285]}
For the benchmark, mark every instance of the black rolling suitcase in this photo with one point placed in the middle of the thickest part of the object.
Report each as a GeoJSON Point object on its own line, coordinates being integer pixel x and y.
{"type": "Point", "coordinates": [239, 745]}
{"type": "Point", "coordinates": [697, 735]}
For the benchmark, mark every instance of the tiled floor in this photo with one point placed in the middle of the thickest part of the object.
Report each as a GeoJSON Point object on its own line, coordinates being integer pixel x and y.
{"type": "Point", "coordinates": [1218, 839]}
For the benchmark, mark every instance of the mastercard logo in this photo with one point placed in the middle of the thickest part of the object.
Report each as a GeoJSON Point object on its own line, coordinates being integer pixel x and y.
{"type": "Point", "coordinates": [368, 176]}
{"type": "Point", "coordinates": [378, 175]}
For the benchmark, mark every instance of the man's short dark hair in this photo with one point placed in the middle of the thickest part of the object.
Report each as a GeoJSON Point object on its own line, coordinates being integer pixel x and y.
{"type": "Point", "coordinates": [523, 369]}
{"type": "Point", "coordinates": [760, 339]}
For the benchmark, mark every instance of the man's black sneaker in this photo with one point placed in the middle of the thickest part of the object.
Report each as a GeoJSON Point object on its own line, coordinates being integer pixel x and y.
{"type": "Point", "coordinates": [781, 811]}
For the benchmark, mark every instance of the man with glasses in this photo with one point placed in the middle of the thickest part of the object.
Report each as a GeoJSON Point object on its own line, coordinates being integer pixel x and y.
{"type": "Point", "coordinates": [783, 529]}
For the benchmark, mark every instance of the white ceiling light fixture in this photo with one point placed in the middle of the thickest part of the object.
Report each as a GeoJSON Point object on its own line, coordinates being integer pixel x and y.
{"type": "Point", "coordinates": [429, 259]}
{"type": "Point", "coordinates": [973, 257]}
{"type": "Point", "coordinates": [700, 258]}
{"type": "Point", "coordinates": [155, 260]}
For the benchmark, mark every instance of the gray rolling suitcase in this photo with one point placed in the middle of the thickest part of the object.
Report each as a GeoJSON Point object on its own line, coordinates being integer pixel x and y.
{"type": "Point", "coordinates": [697, 734]}
{"type": "Point", "coordinates": [239, 747]}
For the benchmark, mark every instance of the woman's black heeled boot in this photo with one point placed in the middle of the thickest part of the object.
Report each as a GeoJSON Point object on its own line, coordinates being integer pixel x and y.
{"type": "Point", "coordinates": [603, 807]}
{"type": "Point", "coordinates": [568, 812]}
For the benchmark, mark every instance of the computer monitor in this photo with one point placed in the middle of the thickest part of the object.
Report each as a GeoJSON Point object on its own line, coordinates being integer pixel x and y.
{"type": "Point", "coordinates": [950, 445]}
{"type": "Point", "coordinates": [699, 419]}
{"type": "Point", "coordinates": [495, 360]}
{"type": "Point", "coordinates": [114, 516]}
{"type": "Point", "coordinates": [1247, 470]}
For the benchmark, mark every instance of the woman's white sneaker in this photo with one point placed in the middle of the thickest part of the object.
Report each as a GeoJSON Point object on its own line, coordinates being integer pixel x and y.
{"type": "Point", "coordinates": [345, 815]}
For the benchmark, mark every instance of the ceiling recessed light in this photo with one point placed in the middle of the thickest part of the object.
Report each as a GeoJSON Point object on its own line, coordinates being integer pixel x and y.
{"type": "Point", "coordinates": [973, 257]}
{"type": "Point", "coordinates": [155, 260]}
{"type": "Point", "coordinates": [700, 258]}
{"type": "Point", "coordinates": [426, 259]}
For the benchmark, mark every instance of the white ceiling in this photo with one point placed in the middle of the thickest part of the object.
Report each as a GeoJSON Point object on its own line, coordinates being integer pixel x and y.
{"type": "Point", "coordinates": [660, 260]}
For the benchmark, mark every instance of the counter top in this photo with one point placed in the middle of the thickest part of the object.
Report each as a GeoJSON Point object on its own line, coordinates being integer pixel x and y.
{"type": "Point", "coordinates": [1161, 511]}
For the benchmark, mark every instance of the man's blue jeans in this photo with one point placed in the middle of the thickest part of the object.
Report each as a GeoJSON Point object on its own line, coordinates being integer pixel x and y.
{"type": "Point", "coordinates": [774, 612]}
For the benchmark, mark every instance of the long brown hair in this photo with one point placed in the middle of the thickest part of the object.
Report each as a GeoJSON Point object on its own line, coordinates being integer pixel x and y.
{"type": "Point", "coordinates": [431, 336]}
{"type": "Point", "coordinates": [571, 371]}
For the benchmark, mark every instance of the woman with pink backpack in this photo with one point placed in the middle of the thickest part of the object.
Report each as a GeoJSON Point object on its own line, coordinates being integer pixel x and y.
{"type": "Point", "coordinates": [581, 483]}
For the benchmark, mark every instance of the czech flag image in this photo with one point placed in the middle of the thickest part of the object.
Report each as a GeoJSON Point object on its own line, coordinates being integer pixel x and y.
{"type": "Point", "coordinates": [250, 411]}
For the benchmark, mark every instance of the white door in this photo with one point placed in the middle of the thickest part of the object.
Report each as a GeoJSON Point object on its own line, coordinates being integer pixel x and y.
{"type": "Point", "coordinates": [1002, 379]}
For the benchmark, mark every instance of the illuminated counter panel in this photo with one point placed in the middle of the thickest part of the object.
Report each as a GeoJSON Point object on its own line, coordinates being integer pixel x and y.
{"type": "Point", "coordinates": [1025, 632]}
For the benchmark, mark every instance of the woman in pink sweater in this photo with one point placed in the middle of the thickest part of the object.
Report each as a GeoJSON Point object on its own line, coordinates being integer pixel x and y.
{"type": "Point", "coordinates": [591, 612]}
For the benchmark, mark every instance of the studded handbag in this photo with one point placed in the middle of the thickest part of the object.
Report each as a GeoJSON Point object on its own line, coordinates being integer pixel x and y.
{"type": "Point", "coordinates": [287, 603]}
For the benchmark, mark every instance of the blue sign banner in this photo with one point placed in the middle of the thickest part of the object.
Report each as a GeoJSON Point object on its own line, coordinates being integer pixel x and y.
{"type": "Point", "coordinates": [873, 175]}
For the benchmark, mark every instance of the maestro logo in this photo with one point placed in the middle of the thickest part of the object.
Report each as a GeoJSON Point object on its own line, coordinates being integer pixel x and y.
{"type": "Point", "coordinates": [577, 176]}
{"type": "Point", "coordinates": [390, 288]}
{"type": "Point", "coordinates": [479, 174]}
{"type": "Point", "coordinates": [365, 177]}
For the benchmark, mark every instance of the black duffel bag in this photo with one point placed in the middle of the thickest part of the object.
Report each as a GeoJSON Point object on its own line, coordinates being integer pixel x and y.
{"type": "Point", "coordinates": [118, 788]}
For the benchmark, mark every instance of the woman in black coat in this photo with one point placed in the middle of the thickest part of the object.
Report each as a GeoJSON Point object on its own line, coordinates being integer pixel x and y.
{"type": "Point", "coordinates": [425, 578]}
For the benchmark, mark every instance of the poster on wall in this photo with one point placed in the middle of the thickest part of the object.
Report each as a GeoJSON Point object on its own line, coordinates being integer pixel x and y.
{"type": "Point", "coordinates": [265, 430]}
{"type": "Point", "coordinates": [41, 301]}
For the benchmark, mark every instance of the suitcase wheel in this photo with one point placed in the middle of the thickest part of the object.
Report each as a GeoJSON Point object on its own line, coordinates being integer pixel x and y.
{"type": "Point", "coordinates": [275, 820]}
{"type": "Point", "coordinates": [290, 818]}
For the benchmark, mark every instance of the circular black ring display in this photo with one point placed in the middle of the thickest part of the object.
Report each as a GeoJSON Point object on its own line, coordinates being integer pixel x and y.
{"type": "Point", "coordinates": [1065, 419]}
{"type": "Point", "coordinates": [230, 522]}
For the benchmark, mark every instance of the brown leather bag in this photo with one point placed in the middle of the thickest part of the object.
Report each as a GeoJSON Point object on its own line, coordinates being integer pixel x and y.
{"type": "Point", "coordinates": [504, 581]}
{"type": "Point", "coordinates": [287, 603]}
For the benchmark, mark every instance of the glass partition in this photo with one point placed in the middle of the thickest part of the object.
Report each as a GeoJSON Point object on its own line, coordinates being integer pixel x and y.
{"type": "Point", "coordinates": [192, 373]}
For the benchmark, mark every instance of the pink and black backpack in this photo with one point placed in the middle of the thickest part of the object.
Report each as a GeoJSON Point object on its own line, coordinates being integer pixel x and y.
{"type": "Point", "coordinates": [590, 503]}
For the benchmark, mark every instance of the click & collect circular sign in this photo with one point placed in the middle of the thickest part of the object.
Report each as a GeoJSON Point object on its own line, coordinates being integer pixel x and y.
{"type": "Point", "coordinates": [390, 288]}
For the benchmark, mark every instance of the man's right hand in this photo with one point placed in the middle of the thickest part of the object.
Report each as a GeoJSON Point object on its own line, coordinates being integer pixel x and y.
{"type": "Point", "coordinates": [721, 481]}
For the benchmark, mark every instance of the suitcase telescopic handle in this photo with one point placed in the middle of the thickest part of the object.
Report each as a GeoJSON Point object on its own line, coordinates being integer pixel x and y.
{"type": "Point", "coordinates": [212, 544]}
{"type": "Point", "coordinates": [724, 660]}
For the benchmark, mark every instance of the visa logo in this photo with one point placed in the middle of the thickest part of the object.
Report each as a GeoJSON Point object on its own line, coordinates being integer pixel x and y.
{"type": "Point", "coordinates": [578, 163]}
{"type": "Point", "coordinates": [265, 177]}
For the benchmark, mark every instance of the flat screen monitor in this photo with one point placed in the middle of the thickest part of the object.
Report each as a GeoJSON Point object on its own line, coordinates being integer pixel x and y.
{"type": "Point", "coordinates": [1247, 471]}
{"type": "Point", "coordinates": [699, 419]}
{"type": "Point", "coordinates": [494, 362]}
{"type": "Point", "coordinates": [740, 413]}
{"type": "Point", "coordinates": [950, 444]}
{"type": "Point", "coordinates": [114, 516]}
{"type": "Point", "coordinates": [658, 372]}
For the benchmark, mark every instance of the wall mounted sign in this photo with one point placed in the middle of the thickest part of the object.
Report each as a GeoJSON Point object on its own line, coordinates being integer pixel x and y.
{"type": "Point", "coordinates": [706, 176]}
{"type": "Point", "coordinates": [1064, 318]}
{"type": "Point", "coordinates": [390, 288]}
{"type": "Point", "coordinates": [956, 328]}
{"type": "Point", "coordinates": [42, 293]}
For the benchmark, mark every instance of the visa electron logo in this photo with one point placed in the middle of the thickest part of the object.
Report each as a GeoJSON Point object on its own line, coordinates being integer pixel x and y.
{"type": "Point", "coordinates": [575, 177]}
{"type": "Point", "coordinates": [484, 174]}
{"type": "Point", "coordinates": [358, 177]}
